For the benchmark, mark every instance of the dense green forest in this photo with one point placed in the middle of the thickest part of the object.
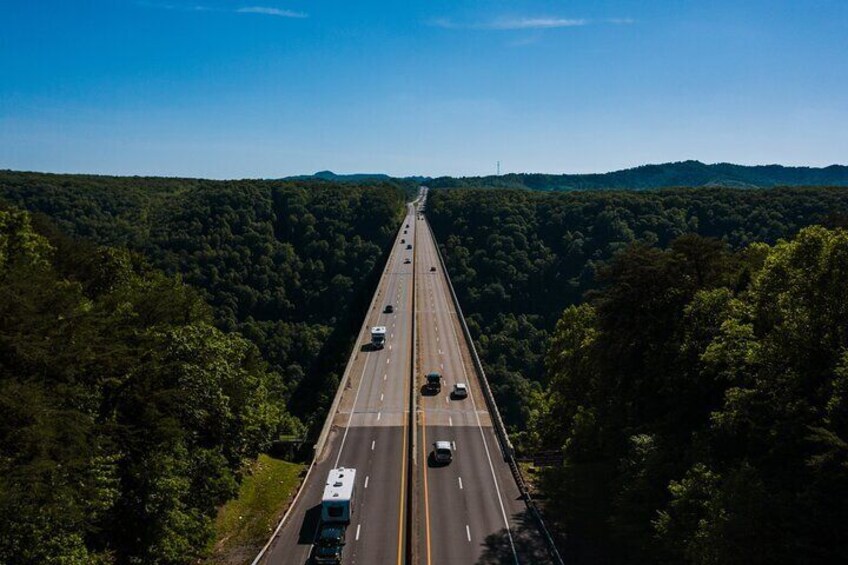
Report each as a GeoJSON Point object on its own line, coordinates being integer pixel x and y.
{"type": "Point", "coordinates": [125, 415]}
{"type": "Point", "coordinates": [684, 173]}
{"type": "Point", "coordinates": [287, 264]}
{"type": "Point", "coordinates": [518, 258]}
{"type": "Point", "coordinates": [693, 377]}
{"type": "Point", "coordinates": [700, 398]}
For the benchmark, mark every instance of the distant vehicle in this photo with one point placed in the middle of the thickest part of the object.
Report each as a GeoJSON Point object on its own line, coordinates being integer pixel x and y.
{"type": "Point", "coordinates": [432, 269]}
{"type": "Point", "coordinates": [338, 494]}
{"type": "Point", "coordinates": [407, 225]}
{"type": "Point", "coordinates": [388, 309]}
{"type": "Point", "coordinates": [328, 544]}
{"type": "Point", "coordinates": [378, 336]}
{"type": "Point", "coordinates": [403, 241]}
{"type": "Point", "coordinates": [459, 390]}
{"type": "Point", "coordinates": [407, 261]}
{"type": "Point", "coordinates": [409, 246]}
{"type": "Point", "coordinates": [434, 382]}
{"type": "Point", "coordinates": [442, 452]}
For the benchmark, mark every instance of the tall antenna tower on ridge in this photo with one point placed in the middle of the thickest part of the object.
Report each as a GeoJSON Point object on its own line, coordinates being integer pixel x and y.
{"type": "Point", "coordinates": [499, 168]}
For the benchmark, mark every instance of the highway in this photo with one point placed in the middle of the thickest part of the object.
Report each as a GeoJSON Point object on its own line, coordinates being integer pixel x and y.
{"type": "Point", "coordinates": [470, 510]}
{"type": "Point", "coordinates": [467, 512]}
{"type": "Point", "coordinates": [369, 433]}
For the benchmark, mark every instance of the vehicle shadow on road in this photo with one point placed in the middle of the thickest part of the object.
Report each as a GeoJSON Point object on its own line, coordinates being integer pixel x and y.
{"type": "Point", "coordinates": [427, 391]}
{"type": "Point", "coordinates": [311, 520]}
{"type": "Point", "coordinates": [528, 542]}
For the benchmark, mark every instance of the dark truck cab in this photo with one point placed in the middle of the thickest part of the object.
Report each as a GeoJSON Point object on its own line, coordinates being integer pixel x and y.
{"type": "Point", "coordinates": [328, 545]}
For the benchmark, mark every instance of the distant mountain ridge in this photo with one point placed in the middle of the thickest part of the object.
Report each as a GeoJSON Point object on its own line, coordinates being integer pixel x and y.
{"type": "Point", "coordinates": [678, 174]}
{"type": "Point", "coordinates": [355, 177]}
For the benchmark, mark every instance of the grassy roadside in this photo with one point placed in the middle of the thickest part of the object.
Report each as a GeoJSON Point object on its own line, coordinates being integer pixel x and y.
{"type": "Point", "coordinates": [244, 523]}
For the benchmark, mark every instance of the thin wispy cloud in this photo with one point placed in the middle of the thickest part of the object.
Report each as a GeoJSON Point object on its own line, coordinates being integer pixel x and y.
{"type": "Point", "coordinates": [270, 12]}
{"type": "Point", "coordinates": [533, 23]}
{"type": "Point", "coordinates": [525, 23]}
{"type": "Point", "coordinates": [261, 10]}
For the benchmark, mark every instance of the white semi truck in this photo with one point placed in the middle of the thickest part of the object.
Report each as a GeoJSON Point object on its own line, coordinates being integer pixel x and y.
{"type": "Point", "coordinates": [378, 337]}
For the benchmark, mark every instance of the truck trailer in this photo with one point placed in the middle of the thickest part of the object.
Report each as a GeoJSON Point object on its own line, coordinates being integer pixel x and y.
{"type": "Point", "coordinates": [378, 337]}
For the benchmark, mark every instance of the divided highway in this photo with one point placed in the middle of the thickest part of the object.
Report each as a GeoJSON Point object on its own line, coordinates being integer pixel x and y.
{"type": "Point", "coordinates": [467, 512]}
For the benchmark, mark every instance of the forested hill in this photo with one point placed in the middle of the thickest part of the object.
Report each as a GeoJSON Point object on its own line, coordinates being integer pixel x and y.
{"type": "Point", "coordinates": [285, 263]}
{"type": "Point", "coordinates": [680, 174]}
{"type": "Point", "coordinates": [518, 258]}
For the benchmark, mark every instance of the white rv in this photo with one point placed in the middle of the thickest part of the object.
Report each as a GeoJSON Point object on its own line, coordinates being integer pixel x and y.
{"type": "Point", "coordinates": [338, 495]}
{"type": "Point", "coordinates": [378, 337]}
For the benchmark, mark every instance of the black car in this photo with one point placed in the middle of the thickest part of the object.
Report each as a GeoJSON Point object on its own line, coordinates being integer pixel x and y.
{"type": "Point", "coordinates": [433, 382]}
{"type": "Point", "coordinates": [328, 545]}
{"type": "Point", "coordinates": [409, 246]}
{"type": "Point", "coordinates": [388, 309]}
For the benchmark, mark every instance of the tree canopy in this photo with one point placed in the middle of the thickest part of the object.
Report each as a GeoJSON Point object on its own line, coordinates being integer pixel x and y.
{"type": "Point", "coordinates": [699, 400]}
{"type": "Point", "coordinates": [125, 415]}
{"type": "Point", "coordinates": [288, 264]}
{"type": "Point", "coordinates": [517, 259]}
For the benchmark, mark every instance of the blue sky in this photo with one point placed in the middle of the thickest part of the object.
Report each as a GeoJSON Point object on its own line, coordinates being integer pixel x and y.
{"type": "Point", "coordinates": [268, 88]}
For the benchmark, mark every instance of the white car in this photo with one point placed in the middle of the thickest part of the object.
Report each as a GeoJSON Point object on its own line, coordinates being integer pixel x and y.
{"type": "Point", "coordinates": [442, 452]}
{"type": "Point", "coordinates": [460, 390]}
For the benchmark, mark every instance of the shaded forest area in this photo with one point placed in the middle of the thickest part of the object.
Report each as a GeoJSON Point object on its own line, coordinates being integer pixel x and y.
{"type": "Point", "coordinates": [700, 399]}
{"type": "Point", "coordinates": [290, 265]}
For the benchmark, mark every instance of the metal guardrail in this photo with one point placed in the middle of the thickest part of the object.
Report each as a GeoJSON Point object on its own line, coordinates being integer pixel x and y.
{"type": "Point", "coordinates": [500, 429]}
